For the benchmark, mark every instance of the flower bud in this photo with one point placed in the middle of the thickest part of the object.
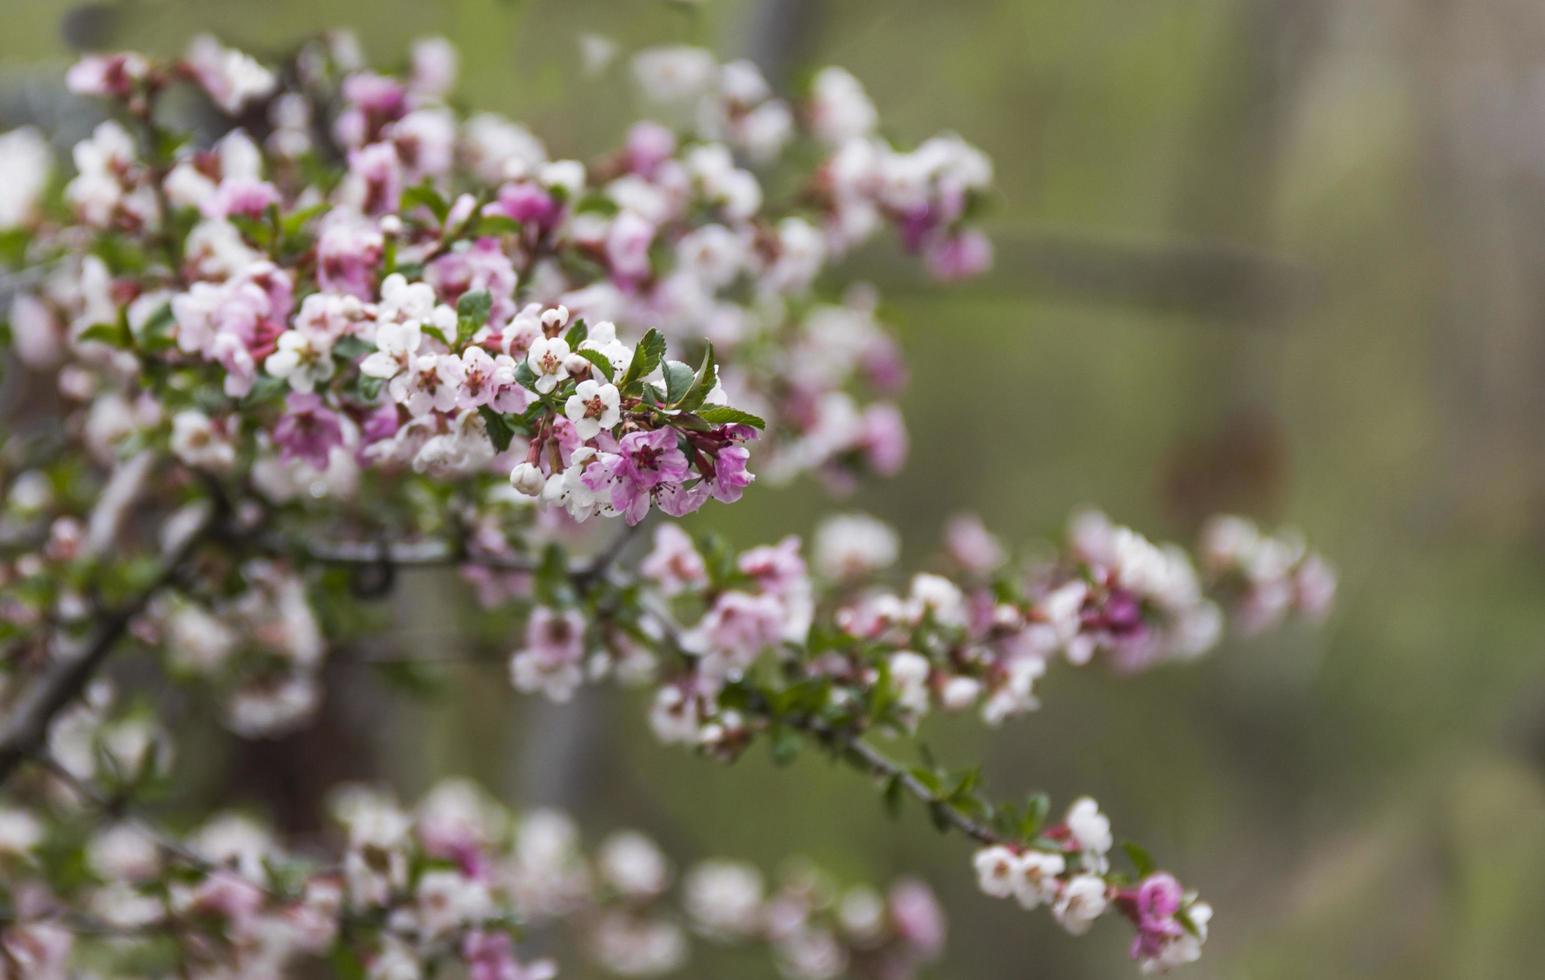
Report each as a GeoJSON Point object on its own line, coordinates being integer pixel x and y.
{"type": "Point", "coordinates": [527, 479]}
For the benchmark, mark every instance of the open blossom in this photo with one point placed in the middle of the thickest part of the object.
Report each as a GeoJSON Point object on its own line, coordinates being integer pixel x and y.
{"type": "Point", "coordinates": [674, 565]}
{"type": "Point", "coordinates": [1080, 901]}
{"type": "Point", "coordinates": [593, 406]}
{"type": "Point", "coordinates": [547, 359]}
{"type": "Point", "coordinates": [550, 661]}
{"type": "Point", "coordinates": [232, 78]}
{"type": "Point", "coordinates": [303, 359]}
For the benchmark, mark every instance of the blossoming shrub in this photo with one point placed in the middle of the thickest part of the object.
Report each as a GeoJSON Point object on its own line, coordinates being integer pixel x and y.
{"type": "Point", "coordinates": [346, 330]}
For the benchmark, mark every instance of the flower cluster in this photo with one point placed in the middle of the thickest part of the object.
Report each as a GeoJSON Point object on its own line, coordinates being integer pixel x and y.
{"type": "Point", "coordinates": [457, 876]}
{"type": "Point", "coordinates": [454, 302]}
{"type": "Point", "coordinates": [1066, 867]}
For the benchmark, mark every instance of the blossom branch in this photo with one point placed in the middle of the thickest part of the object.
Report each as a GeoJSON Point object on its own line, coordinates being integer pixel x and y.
{"type": "Point", "coordinates": [26, 724]}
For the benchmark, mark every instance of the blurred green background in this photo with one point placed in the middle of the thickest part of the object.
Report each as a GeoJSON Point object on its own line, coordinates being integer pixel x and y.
{"type": "Point", "coordinates": [1279, 256]}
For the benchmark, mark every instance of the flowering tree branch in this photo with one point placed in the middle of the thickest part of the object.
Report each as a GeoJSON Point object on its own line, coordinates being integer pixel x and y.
{"type": "Point", "coordinates": [26, 722]}
{"type": "Point", "coordinates": [362, 332]}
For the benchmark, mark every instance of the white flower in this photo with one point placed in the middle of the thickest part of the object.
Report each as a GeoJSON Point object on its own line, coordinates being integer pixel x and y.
{"type": "Point", "coordinates": [593, 407]}
{"type": "Point", "coordinates": [1089, 827]}
{"type": "Point", "coordinates": [546, 360]}
{"type": "Point", "coordinates": [448, 900]}
{"type": "Point", "coordinates": [633, 864]}
{"type": "Point", "coordinates": [997, 868]}
{"type": "Point", "coordinates": [854, 545]}
{"type": "Point", "coordinates": [20, 832]}
{"type": "Point", "coordinates": [959, 693]}
{"type": "Point", "coordinates": [25, 162]}
{"type": "Point", "coordinates": [1081, 901]}
{"type": "Point", "coordinates": [937, 596]}
{"type": "Point", "coordinates": [724, 898]}
{"type": "Point", "coordinates": [396, 344]}
{"type": "Point", "coordinates": [674, 73]}
{"type": "Point", "coordinates": [197, 442]}
{"type": "Point", "coordinates": [302, 358]}
{"type": "Point", "coordinates": [232, 78]}
{"type": "Point", "coordinates": [603, 340]}
{"type": "Point", "coordinates": [909, 674]}
{"type": "Point", "coordinates": [1035, 877]}
{"type": "Point", "coordinates": [840, 109]}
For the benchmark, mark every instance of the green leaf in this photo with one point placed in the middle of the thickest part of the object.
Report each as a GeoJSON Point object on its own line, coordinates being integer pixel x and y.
{"type": "Point", "coordinates": [471, 313]}
{"type": "Point", "coordinates": [111, 334]}
{"type": "Point", "coordinates": [724, 415]}
{"type": "Point", "coordinates": [678, 380]}
{"type": "Point", "coordinates": [646, 357]}
{"type": "Point", "coordinates": [895, 794]}
{"type": "Point", "coordinates": [525, 377]}
{"type": "Point", "coordinates": [475, 305]}
{"type": "Point", "coordinates": [292, 223]}
{"type": "Point", "coordinates": [1141, 860]}
{"type": "Point", "coordinates": [425, 194]}
{"type": "Point", "coordinates": [702, 382]}
{"type": "Point", "coordinates": [1036, 809]}
{"type": "Point", "coordinates": [499, 430]}
{"type": "Point", "coordinates": [493, 225]}
{"type": "Point", "coordinates": [600, 361]}
{"type": "Point", "coordinates": [155, 334]}
{"type": "Point", "coordinates": [437, 333]}
{"type": "Point", "coordinates": [265, 388]}
{"type": "Point", "coordinates": [576, 334]}
{"type": "Point", "coordinates": [786, 744]}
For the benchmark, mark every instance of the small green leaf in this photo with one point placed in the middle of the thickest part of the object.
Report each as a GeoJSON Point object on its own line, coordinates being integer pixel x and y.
{"type": "Point", "coordinates": [724, 415]}
{"type": "Point", "coordinates": [646, 357]}
{"type": "Point", "coordinates": [786, 744]}
{"type": "Point", "coordinates": [292, 223]}
{"type": "Point", "coordinates": [424, 194]}
{"type": "Point", "coordinates": [678, 379]}
{"type": "Point", "coordinates": [702, 382]}
{"type": "Point", "coordinates": [1141, 860]}
{"type": "Point", "coordinates": [471, 313]}
{"type": "Point", "coordinates": [600, 361]}
{"type": "Point", "coordinates": [1036, 809]}
{"type": "Point", "coordinates": [499, 430]}
{"type": "Point", "coordinates": [492, 225]}
{"type": "Point", "coordinates": [524, 376]}
{"type": "Point", "coordinates": [894, 796]}
{"type": "Point", "coordinates": [576, 334]}
{"type": "Point", "coordinates": [475, 305]}
{"type": "Point", "coordinates": [111, 334]}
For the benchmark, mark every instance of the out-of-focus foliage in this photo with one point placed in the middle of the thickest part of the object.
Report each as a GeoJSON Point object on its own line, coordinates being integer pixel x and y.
{"type": "Point", "coordinates": [1365, 802]}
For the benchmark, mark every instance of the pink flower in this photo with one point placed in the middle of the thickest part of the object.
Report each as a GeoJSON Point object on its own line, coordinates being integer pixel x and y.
{"type": "Point", "coordinates": [730, 476]}
{"type": "Point", "coordinates": [644, 460]}
{"type": "Point", "coordinates": [348, 252]}
{"type": "Point", "coordinates": [528, 203]}
{"type": "Point", "coordinates": [649, 145]}
{"type": "Point", "coordinates": [106, 74]}
{"type": "Point", "coordinates": [485, 267]}
{"type": "Point", "coordinates": [241, 196]}
{"type": "Point", "coordinates": [307, 430]}
{"type": "Point", "coordinates": [962, 255]}
{"type": "Point", "coordinates": [674, 565]}
{"type": "Point", "coordinates": [627, 246]}
{"type": "Point", "coordinates": [740, 626]}
{"type": "Point", "coordinates": [884, 439]}
{"type": "Point", "coordinates": [917, 917]}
